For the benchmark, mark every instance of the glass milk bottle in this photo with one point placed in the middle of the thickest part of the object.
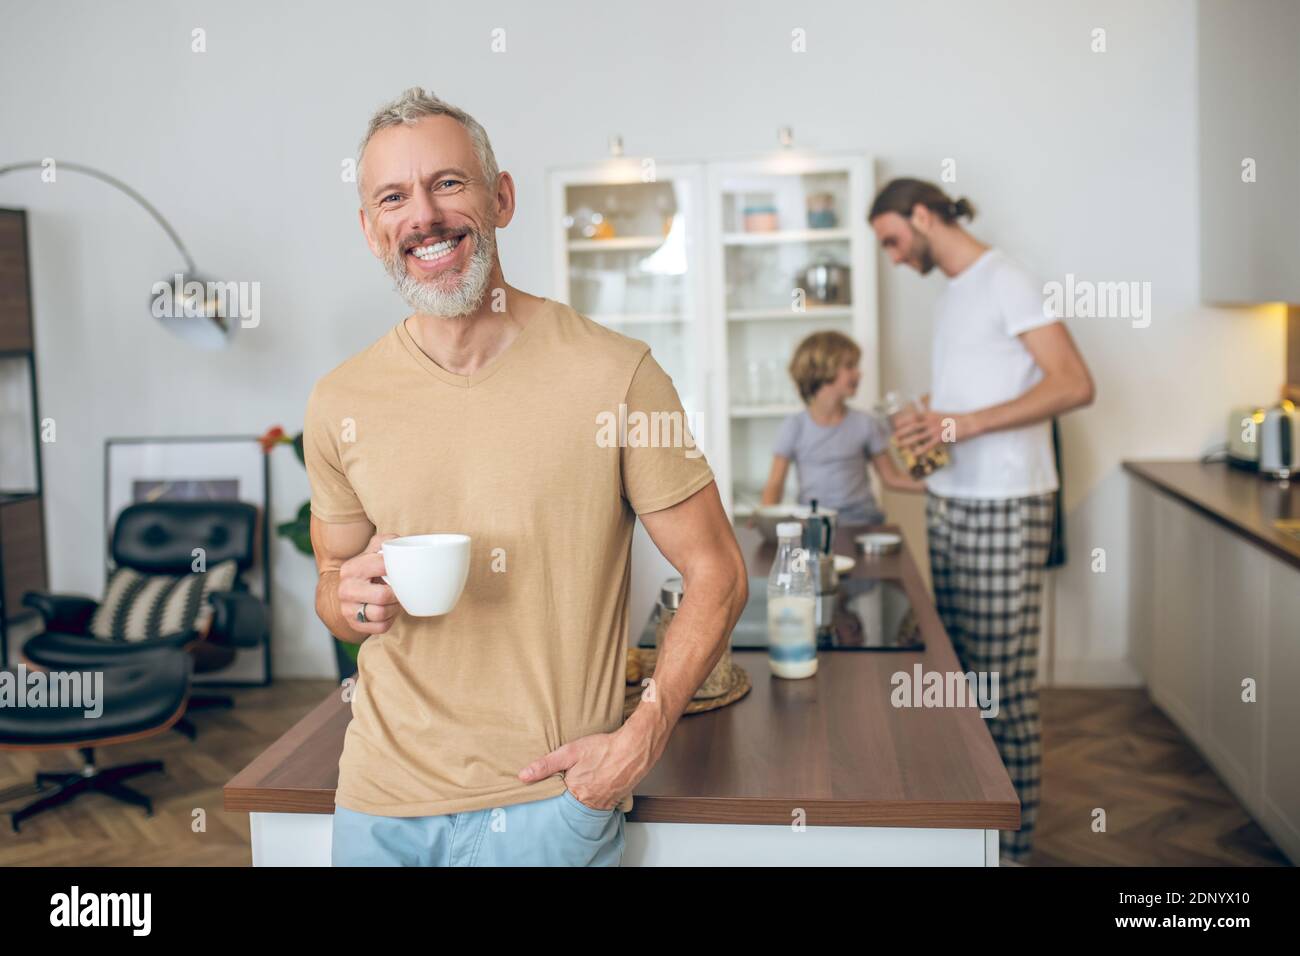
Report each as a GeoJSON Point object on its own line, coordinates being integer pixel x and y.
{"type": "Point", "coordinates": [791, 607]}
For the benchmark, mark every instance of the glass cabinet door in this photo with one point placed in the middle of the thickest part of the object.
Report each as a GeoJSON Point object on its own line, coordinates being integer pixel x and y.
{"type": "Point", "coordinates": [630, 251]}
{"type": "Point", "coordinates": [792, 259]}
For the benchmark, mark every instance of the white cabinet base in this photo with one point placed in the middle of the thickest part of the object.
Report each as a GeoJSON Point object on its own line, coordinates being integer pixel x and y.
{"type": "Point", "coordinates": [1210, 610]}
{"type": "Point", "coordinates": [702, 844]}
{"type": "Point", "coordinates": [304, 839]}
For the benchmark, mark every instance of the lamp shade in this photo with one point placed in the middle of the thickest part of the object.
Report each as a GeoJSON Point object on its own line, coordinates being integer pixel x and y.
{"type": "Point", "coordinates": [194, 309]}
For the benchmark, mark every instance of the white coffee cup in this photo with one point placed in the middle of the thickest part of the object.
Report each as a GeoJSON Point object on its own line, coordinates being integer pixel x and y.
{"type": "Point", "coordinates": [427, 572]}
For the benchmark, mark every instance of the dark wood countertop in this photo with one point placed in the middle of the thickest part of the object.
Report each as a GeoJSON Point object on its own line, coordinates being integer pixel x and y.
{"type": "Point", "coordinates": [832, 744]}
{"type": "Point", "coordinates": [1240, 500]}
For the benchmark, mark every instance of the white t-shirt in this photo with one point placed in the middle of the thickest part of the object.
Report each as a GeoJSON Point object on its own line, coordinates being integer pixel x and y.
{"type": "Point", "coordinates": [978, 361]}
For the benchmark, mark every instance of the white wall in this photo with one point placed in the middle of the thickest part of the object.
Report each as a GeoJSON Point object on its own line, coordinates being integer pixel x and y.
{"type": "Point", "coordinates": [1080, 162]}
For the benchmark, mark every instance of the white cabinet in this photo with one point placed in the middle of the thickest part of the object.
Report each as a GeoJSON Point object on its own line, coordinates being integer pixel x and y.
{"type": "Point", "coordinates": [705, 262]}
{"type": "Point", "coordinates": [1234, 653]}
{"type": "Point", "coordinates": [1279, 805]}
{"type": "Point", "coordinates": [1209, 610]}
{"type": "Point", "coordinates": [1182, 570]}
{"type": "Point", "coordinates": [1248, 77]}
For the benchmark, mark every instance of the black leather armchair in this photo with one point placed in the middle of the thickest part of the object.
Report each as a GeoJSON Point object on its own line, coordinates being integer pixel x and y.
{"type": "Point", "coordinates": [69, 613]}
{"type": "Point", "coordinates": [138, 698]}
{"type": "Point", "coordinates": [159, 538]}
{"type": "Point", "coordinates": [239, 619]}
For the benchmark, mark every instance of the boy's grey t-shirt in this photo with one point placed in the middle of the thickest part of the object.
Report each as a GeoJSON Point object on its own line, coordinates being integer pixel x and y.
{"type": "Point", "coordinates": [832, 462]}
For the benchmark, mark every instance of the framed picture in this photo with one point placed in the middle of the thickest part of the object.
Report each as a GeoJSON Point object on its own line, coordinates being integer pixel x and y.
{"type": "Point", "coordinates": [207, 468]}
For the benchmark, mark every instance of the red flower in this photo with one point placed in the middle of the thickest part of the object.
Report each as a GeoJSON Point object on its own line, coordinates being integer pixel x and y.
{"type": "Point", "coordinates": [274, 436]}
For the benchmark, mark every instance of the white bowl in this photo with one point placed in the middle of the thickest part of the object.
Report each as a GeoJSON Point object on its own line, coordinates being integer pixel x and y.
{"type": "Point", "coordinates": [878, 542]}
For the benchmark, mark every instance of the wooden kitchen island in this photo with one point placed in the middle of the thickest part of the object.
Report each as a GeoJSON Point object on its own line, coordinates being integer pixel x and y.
{"type": "Point", "coordinates": [822, 771]}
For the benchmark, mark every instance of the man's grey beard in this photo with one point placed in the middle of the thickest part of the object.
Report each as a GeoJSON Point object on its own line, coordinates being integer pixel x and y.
{"type": "Point", "coordinates": [425, 296]}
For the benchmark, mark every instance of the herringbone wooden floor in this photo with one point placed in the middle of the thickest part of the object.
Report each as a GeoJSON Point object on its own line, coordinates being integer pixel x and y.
{"type": "Point", "coordinates": [1164, 806]}
{"type": "Point", "coordinates": [1102, 748]}
{"type": "Point", "coordinates": [96, 830]}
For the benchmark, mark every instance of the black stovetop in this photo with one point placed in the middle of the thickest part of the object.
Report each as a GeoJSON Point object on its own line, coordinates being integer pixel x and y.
{"type": "Point", "coordinates": [870, 615]}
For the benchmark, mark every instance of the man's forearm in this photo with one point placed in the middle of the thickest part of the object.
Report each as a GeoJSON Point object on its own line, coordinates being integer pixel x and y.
{"type": "Point", "coordinates": [329, 610]}
{"type": "Point", "coordinates": [1049, 398]}
{"type": "Point", "coordinates": [692, 645]}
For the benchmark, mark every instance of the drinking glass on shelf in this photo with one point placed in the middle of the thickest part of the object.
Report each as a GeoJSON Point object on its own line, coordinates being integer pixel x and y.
{"type": "Point", "coordinates": [774, 391]}
{"type": "Point", "coordinates": [821, 211]}
{"type": "Point", "coordinates": [638, 292]}
{"type": "Point", "coordinates": [736, 371]}
{"type": "Point", "coordinates": [615, 216]}
{"type": "Point", "coordinates": [754, 381]}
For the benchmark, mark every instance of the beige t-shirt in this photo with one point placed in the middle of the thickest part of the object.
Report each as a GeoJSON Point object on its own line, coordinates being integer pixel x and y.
{"type": "Point", "coordinates": [532, 457]}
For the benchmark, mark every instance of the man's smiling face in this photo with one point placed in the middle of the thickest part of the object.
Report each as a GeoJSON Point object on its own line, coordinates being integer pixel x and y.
{"type": "Point", "coordinates": [430, 215]}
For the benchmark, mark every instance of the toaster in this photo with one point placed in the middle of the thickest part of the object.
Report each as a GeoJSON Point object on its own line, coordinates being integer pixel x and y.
{"type": "Point", "coordinates": [1243, 436]}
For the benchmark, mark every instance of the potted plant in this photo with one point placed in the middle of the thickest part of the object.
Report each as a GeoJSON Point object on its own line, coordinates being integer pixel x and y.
{"type": "Point", "coordinates": [298, 532]}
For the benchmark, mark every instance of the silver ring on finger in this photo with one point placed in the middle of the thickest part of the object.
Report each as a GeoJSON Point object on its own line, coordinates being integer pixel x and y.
{"type": "Point", "coordinates": [361, 613]}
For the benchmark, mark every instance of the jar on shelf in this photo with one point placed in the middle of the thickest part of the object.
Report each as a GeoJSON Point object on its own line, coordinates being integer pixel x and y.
{"type": "Point", "coordinates": [761, 217]}
{"type": "Point", "coordinates": [821, 211]}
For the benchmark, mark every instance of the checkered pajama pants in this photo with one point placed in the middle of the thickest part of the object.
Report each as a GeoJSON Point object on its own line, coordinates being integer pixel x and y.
{"type": "Point", "coordinates": [986, 560]}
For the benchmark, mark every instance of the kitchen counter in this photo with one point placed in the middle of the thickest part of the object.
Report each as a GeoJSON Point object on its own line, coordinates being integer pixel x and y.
{"type": "Point", "coordinates": [872, 783]}
{"type": "Point", "coordinates": [1239, 500]}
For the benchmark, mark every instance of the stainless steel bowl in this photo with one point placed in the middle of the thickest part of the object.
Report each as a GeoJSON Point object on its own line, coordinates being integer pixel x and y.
{"type": "Point", "coordinates": [826, 283]}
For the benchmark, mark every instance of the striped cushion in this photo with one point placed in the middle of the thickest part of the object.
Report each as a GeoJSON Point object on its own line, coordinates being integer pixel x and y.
{"type": "Point", "coordinates": [139, 607]}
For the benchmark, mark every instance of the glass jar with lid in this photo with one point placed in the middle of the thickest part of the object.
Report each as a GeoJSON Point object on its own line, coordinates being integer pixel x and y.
{"type": "Point", "coordinates": [890, 411]}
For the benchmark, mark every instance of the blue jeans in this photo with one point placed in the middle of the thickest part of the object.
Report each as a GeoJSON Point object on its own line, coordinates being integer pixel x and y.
{"type": "Point", "coordinates": [557, 831]}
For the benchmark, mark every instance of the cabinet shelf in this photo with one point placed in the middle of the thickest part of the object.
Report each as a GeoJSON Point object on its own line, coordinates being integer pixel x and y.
{"type": "Point", "coordinates": [764, 411]}
{"type": "Point", "coordinates": [627, 243]}
{"type": "Point", "coordinates": [786, 235]}
{"type": "Point", "coordinates": [782, 314]}
{"type": "Point", "coordinates": [638, 318]}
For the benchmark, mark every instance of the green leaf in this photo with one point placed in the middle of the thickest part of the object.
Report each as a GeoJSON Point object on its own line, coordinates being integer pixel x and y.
{"type": "Point", "coordinates": [298, 531]}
